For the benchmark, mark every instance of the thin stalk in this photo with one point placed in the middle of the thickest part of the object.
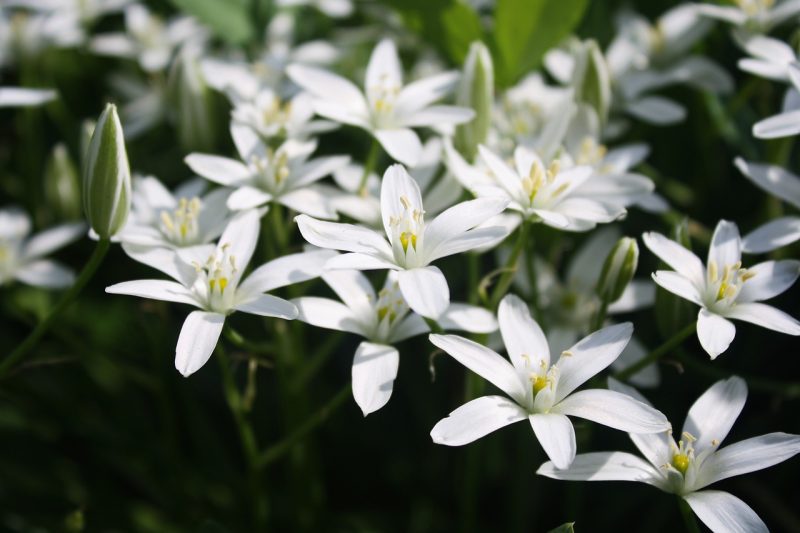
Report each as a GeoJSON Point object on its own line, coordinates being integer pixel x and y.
{"type": "Point", "coordinates": [33, 338]}
{"type": "Point", "coordinates": [238, 340]}
{"type": "Point", "coordinates": [530, 271]}
{"type": "Point", "coordinates": [369, 166]}
{"type": "Point", "coordinates": [279, 228]}
{"type": "Point", "coordinates": [659, 352]}
{"type": "Point", "coordinates": [688, 516]}
{"type": "Point", "coordinates": [510, 269]}
{"type": "Point", "coordinates": [276, 451]}
{"type": "Point", "coordinates": [600, 316]}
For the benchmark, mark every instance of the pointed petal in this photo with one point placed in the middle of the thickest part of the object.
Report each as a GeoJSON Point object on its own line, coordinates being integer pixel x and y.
{"type": "Point", "coordinates": [402, 145]}
{"type": "Point", "coordinates": [750, 455]}
{"type": "Point", "coordinates": [523, 338]}
{"type": "Point", "coordinates": [411, 326]}
{"type": "Point", "coordinates": [45, 273]}
{"type": "Point", "coordinates": [459, 219]}
{"type": "Point", "coordinates": [239, 240]}
{"type": "Point", "coordinates": [557, 437]}
{"type": "Point", "coordinates": [656, 110]}
{"type": "Point", "coordinates": [218, 169]}
{"type": "Point", "coordinates": [778, 126]}
{"type": "Point", "coordinates": [726, 245]}
{"type": "Point", "coordinates": [286, 270]}
{"type": "Point", "coordinates": [437, 116]}
{"type": "Point", "coordinates": [613, 409]}
{"type": "Point", "coordinates": [383, 69]}
{"type": "Point", "coordinates": [347, 237]}
{"type": "Point", "coordinates": [268, 305]}
{"type": "Point", "coordinates": [425, 290]}
{"type": "Point", "coordinates": [504, 174]}
{"type": "Point", "coordinates": [603, 466]}
{"type": "Point", "coordinates": [469, 318]}
{"type": "Point", "coordinates": [678, 284]}
{"type": "Point", "coordinates": [171, 263]}
{"type": "Point", "coordinates": [357, 261]}
{"type": "Point", "coordinates": [398, 190]}
{"type": "Point", "coordinates": [313, 200]}
{"type": "Point", "coordinates": [476, 419]}
{"type": "Point", "coordinates": [773, 179]}
{"type": "Point", "coordinates": [247, 197]}
{"type": "Point", "coordinates": [478, 239]}
{"type": "Point", "coordinates": [198, 338]}
{"type": "Point", "coordinates": [329, 88]}
{"type": "Point", "coordinates": [421, 93]}
{"type": "Point", "coordinates": [155, 289]}
{"type": "Point", "coordinates": [52, 239]}
{"type": "Point", "coordinates": [680, 259]}
{"type": "Point", "coordinates": [772, 235]}
{"type": "Point", "coordinates": [765, 316]}
{"type": "Point", "coordinates": [714, 332]}
{"type": "Point", "coordinates": [711, 417]}
{"type": "Point", "coordinates": [328, 314]}
{"type": "Point", "coordinates": [770, 279]}
{"type": "Point", "coordinates": [722, 512]}
{"type": "Point", "coordinates": [373, 374]}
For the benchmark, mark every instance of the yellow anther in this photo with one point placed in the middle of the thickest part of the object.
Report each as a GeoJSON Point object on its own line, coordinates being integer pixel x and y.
{"type": "Point", "coordinates": [566, 353]}
{"type": "Point", "coordinates": [406, 202]}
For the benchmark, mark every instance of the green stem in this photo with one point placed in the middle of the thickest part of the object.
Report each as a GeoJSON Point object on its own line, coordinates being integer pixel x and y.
{"type": "Point", "coordinates": [369, 166]}
{"type": "Point", "coordinates": [279, 228]}
{"type": "Point", "coordinates": [530, 271]}
{"type": "Point", "coordinates": [236, 338]}
{"type": "Point", "coordinates": [510, 269]}
{"type": "Point", "coordinates": [274, 452]}
{"type": "Point", "coordinates": [767, 386]}
{"type": "Point", "coordinates": [600, 316]}
{"type": "Point", "coordinates": [433, 325]}
{"type": "Point", "coordinates": [688, 516]}
{"type": "Point", "coordinates": [659, 352]}
{"type": "Point", "coordinates": [33, 338]}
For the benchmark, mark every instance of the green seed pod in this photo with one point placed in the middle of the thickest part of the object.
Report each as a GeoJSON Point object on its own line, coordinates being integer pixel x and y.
{"type": "Point", "coordinates": [590, 78]}
{"type": "Point", "coordinates": [618, 270]}
{"type": "Point", "coordinates": [107, 176]}
{"type": "Point", "coordinates": [62, 191]}
{"type": "Point", "coordinates": [475, 91]}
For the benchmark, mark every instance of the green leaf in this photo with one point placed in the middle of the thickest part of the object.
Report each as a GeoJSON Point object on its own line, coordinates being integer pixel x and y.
{"type": "Point", "coordinates": [569, 527]}
{"type": "Point", "coordinates": [228, 19]}
{"type": "Point", "coordinates": [525, 29]}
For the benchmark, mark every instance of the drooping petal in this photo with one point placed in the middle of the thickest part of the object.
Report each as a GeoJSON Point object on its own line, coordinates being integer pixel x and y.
{"type": "Point", "coordinates": [469, 318]}
{"type": "Point", "coordinates": [374, 371]}
{"type": "Point", "coordinates": [425, 290]}
{"type": "Point", "coordinates": [476, 419]}
{"type": "Point", "coordinates": [218, 169]}
{"type": "Point", "coordinates": [613, 409]}
{"type": "Point", "coordinates": [603, 466]}
{"type": "Point", "coordinates": [459, 219]}
{"type": "Point", "coordinates": [484, 362]}
{"type": "Point", "coordinates": [680, 259]}
{"type": "Point", "coordinates": [45, 273]}
{"type": "Point", "coordinates": [772, 235]}
{"type": "Point", "coordinates": [557, 437]}
{"type": "Point", "coordinates": [589, 356]}
{"type": "Point", "coordinates": [749, 455]}
{"type": "Point", "coordinates": [769, 279]}
{"type": "Point", "coordinates": [402, 144]}
{"type": "Point", "coordinates": [525, 341]}
{"type": "Point", "coordinates": [286, 270]}
{"type": "Point", "coordinates": [155, 289]}
{"type": "Point", "coordinates": [268, 305]}
{"type": "Point", "coordinates": [726, 245]}
{"type": "Point", "coordinates": [347, 237]}
{"type": "Point", "coordinates": [678, 284]}
{"type": "Point", "coordinates": [765, 316]}
{"type": "Point", "coordinates": [328, 314]}
{"type": "Point", "coordinates": [197, 340]}
{"type": "Point", "coordinates": [714, 332]}
{"type": "Point", "coordinates": [52, 239]}
{"type": "Point", "coordinates": [712, 415]}
{"type": "Point", "coordinates": [722, 512]}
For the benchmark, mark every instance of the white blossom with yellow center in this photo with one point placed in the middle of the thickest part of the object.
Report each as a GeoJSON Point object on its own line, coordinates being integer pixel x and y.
{"type": "Point", "coordinates": [697, 460]}
{"type": "Point", "coordinates": [723, 289]}
{"type": "Point", "coordinates": [754, 16]}
{"type": "Point", "coordinates": [270, 116]}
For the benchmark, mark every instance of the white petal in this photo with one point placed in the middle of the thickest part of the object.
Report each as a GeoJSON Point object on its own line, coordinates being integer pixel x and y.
{"type": "Point", "coordinates": [714, 332]}
{"type": "Point", "coordinates": [678, 284]}
{"type": "Point", "coordinates": [778, 126]}
{"type": "Point", "coordinates": [286, 270]}
{"type": "Point", "coordinates": [457, 220]}
{"type": "Point", "coordinates": [268, 305]}
{"type": "Point", "coordinates": [176, 265]}
{"type": "Point", "coordinates": [328, 314]}
{"type": "Point", "coordinates": [711, 417]}
{"type": "Point", "coordinates": [603, 466]}
{"type": "Point", "coordinates": [750, 455]}
{"type": "Point", "coordinates": [637, 295]}
{"type": "Point", "coordinates": [656, 110]}
{"type": "Point", "coordinates": [469, 318]}
{"type": "Point", "coordinates": [411, 326]}
{"type": "Point", "coordinates": [770, 279]}
{"type": "Point", "coordinates": [557, 437]}
{"type": "Point", "coordinates": [484, 362]}
{"type": "Point", "coordinates": [478, 239]}
{"type": "Point", "coordinates": [247, 197]}
{"type": "Point", "coordinates": [354, 289]}
{"type": "Point", "coordinates": [425, 290]}
{"type": "Point", "coordinates": [402, 145]}
{"type": "Point", "coordinates": [421, 93]}
{"type": "Point", "coordinates": [680, 259]}
{"type": "Point", "coordinates": [437, 116]}
{"type": "Point", "coordinates": [239, 241]}
{"type": "Point", "coordinates": [504, 175]}
{"type": "Point", "coordinates": [590, 356]}
{"type": "Point", "coordinates": [317, 169]}
{"type": "Point", "coordinates": [773, 179]}
{"type": "Point", "coordinates": [45, 273]}
{"type": "Point", "coordinates": [330, 88]}
{"type": "Point", "coordinates": [24, 97]}
{"type": "Point", "coordinates": [613, 409]}
{"type": "Point", "coordinates": [52, 239]}
{"type": "Point", "coordinates": [726, 245]}
{"type": "Point", "coordinates": [476, 419]}
{"type": "Point", "coordinates": [218, 169]}
{"type": "Point", "coordinates": [725, 513]}
{"type": "Point", "coordinates": [765, 316]}
{"type": "Point", "coordinates": [374, 372]}
{"type": "Point", "coordinates": [198, 338]}
{"type": "Point", "coordinates": [398, 189]}
{"type": "Point", "coordinates": [155, 289]}
{"type": "Point", "coordinates": [772, 235]}
{"type": "Point", "coordinates": [383, 69]}
{"type": "Point", "coordinates": [348, 237]}
{"type": "Point", "coordinates": [358, 261]}
{"type": "Point", "coordinates": [523, 338]}
{"type": "Point", "coordinates": [313, 200]}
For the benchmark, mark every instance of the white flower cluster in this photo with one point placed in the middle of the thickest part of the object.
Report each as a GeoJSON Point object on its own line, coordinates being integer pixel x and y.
{"type": "Point", "coordinates": [540, 158]}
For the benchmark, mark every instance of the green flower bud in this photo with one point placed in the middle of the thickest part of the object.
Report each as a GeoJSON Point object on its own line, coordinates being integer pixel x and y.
{"type": "Point", "coordinates": [476, 91]}
{"type": "Point", "coordinates": [672, 311]}
{"type": "Point", "coordinates": [62, 191]}
{"type": "Point", "coordinates": [107, 176]}
{"type": "Point", "coordinates": [590, 78]}
{"type": "Point", "coordinates": [618, 269]}
{"type": "Point", "coordinates": [194, 104]}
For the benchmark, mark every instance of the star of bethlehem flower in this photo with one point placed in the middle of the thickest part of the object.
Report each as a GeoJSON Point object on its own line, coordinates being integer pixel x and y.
{"type": "Point", "coordinates": [217, 289]}
{"type": "Point", "coordinates": [784, 185]}
{"type": "Point", "coordinates": [723, 288]}
{"type": "Point", "coordinates": [411, 244]}
{"type": "Point", "coordinates": [696, 461]}
{"type": "Point", "coordinates": [270, 116]}
{"type": "Point", "coordinates": [263, 175]}
{"type": "Point", "coordinates": [541, 392]}
{"type": "Point", "coordinates": [22, 257]}
{"type": "Point", "coordinates": [386, 109]}
{"type": "Point", "coordinates": [383, 319]}
{"type": "Point", "coordinates": [753, 16]}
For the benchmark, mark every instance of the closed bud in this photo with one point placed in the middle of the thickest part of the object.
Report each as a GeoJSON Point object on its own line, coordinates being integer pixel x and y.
{"type": "Point", "coordinates": [618, 270]}
{"type": "Point", "coordinates": [475, 91]}
{"type": "Point", "coordinates": [107, 176]}
{"type": "Point", "coordinates": [590, 78]}
{"type": "Point", "coordinates": [193, 109]}
{"type": "Point", "coordinates": [62, 191]}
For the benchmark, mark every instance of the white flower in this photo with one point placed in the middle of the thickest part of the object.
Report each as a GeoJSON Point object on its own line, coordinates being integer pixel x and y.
{"type": "Point", "coordinates": [217, 289]}
{"type": "Point", "coordinates": [272, 117]}
{"type": "Point", "coordinates": [541, 392]}
{"type": "Point", "coordinates": [263, 175]}
{"type": "Point", "coordinates": [695, 462]}
{"type": "Point", "coordinates": [148, 38]}
{"type": "Point", "coordinates": [542, 193]}
{"type": "Point", "coordinates": [412, 243]}
{"type": "Point", "coordinates": [753, 16]}
{"type": "Point", "coordinates": [383, 320]}
{"type": "Point", "coordinates": [784, 185]}
{"type": "Point", "coordinates": [386, 109]}
{"type": "Point", "coordinates": [722, 288]}
{"type": "Point", "coordinates": [21, 257]}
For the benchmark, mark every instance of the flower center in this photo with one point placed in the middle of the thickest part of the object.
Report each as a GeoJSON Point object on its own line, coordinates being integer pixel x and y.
{"type": "Point", "coordinates": [754, 7]}
{"type": "Point", "coordinates": [591, 152]}
{"type": "Point", "coordinates": [683, 456]}
{"type": "Point", "coordinates": [390, 304]}
{"type": "Point", "coordinates": [271, 171]}
{"type": "Point", "coordinates": [181, 225]}
{"type": "Point", "coordinates": [216, 275]}
{"type": "Point", "coordinates": [407, 226]}
{"type": "Point", "coordinates": [538, 179]}
{"type": "Point", "coordinates": [726, 284]}
{"type": "Point", "coordinates": [383, 96]}
{"type": "Point", "coordinates": [276, 112]}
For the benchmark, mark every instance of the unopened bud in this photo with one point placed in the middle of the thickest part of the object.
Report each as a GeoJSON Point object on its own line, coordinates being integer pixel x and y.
{"type": "Point", "coordinates": [193, 109]}
{"type": "Point", "coordinates": [618, 269]}
{"type": "Point", "coordinates": [107, 176]}
{"type": "Point", "coordinates": [590, 78]}
{"type": "Point", "coordinates": [475, 91]}
{"type": "Point", "coordinates": [62, 191]}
